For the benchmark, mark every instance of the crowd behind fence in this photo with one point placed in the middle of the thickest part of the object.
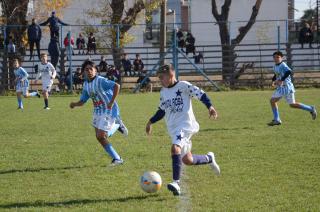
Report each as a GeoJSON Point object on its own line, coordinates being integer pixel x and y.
{"type": "Point", "coordinates": [253, 54]}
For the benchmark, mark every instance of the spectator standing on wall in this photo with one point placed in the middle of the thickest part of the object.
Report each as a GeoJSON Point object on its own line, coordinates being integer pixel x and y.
{"type": "Point", "coordinates": [34, 37]}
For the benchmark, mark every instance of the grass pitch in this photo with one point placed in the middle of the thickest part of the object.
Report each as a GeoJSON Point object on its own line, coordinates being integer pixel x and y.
{"type": "Point", "coordinates": [50, 160]}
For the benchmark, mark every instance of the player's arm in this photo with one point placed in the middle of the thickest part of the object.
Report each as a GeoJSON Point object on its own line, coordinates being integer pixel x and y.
{"type": "Point", "coordinates": [155, 118]}
{"type": "Point", "coordinates": [199, 94]}
{"type": "Point", "coordinates": [24, 74]}
{"type": "Point", "coordinates": [54, 72]}
{"type": "Point", "coordinates": [108, 84]}
{"type": "Point", "coordinates": [83, 99]}
{"type": "Point", "coordinates": [287, 72]}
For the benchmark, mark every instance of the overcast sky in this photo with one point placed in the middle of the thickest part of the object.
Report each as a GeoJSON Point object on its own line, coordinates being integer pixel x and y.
{"type": "Point", "coordinates": [302, 5]}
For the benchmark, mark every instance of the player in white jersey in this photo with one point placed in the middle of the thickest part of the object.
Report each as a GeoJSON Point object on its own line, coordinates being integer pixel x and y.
{"type": "Point", "coordinates": [47, 73]}
{"type": "Point", "coordinates": [176, 107]}
{"type": "Point", "coordinates": [285, 88]}
{"type": "Point", "coordinates": [22, 83]}
{"type": "Point", "coordinates": [106, 112]}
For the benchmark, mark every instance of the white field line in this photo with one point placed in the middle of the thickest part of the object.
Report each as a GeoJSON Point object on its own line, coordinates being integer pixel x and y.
{"type": "Point", "coordinates": [184, 203]}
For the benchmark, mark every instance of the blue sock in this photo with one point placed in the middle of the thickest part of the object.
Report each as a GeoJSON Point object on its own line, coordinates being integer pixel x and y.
{"type": "Point", "coordinates": [200, 159]}
{"type": "Point", "coordinates": [111, 151]}
{"type": "Point", "coordinates": [176, 167]}
{"type": "Point", "coordinates": [20, 103]}
{"type": "Point", "coordinates": [275, 112]}
{"type": "Point", "coordinates": [306, 107]}
{"type": "Point", "coordinates": [33, 94]}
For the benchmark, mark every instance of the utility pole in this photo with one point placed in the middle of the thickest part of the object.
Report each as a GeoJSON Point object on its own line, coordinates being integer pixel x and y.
{"type": "Point", "coordinates": [318, 25]}
{"type": "Point", "coordinates": [163, 30]}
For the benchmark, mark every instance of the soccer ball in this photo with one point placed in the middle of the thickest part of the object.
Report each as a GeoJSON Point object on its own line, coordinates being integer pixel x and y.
{"type": "Point", "coordinates": [150, 182]}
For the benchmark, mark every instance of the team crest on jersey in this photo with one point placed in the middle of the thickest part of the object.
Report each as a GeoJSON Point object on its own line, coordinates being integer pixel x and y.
{"type": "Point", "coordinates": [175, 104]}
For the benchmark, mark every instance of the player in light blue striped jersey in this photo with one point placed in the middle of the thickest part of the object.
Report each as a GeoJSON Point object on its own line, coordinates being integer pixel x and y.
{"type": "Point", "coordinates": [106, 111]}
{"type": "Point", "coordinates": [284, 88]}
{"type": "Point", "coordinates": [22, 83]}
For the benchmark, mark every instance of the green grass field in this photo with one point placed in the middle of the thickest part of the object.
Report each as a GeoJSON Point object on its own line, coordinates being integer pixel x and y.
{"type": "Point", "coordinates": [50, 160]}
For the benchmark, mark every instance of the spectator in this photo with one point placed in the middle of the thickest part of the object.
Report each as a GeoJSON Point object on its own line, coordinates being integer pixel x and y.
{"type": "Point", "coordinates": [53, 25]}
{"type": "Point", "coordinates": [181, 40]}
{"type": "Point", "coordinates": [68, 44]}
{"type": "Point", "coordinates": [114, 74]}
{"type": "Point", "coordinates": [198, 58]}
{"type": "Point", "coordinates": [126, 64]}
{"type": "Point", "coordinates": [103, 65]}
{"type": "Point", "coordinates": [11, 46]}
{"type": "Point", "coordinates": [54, 51]}
{"type": "Point", "coordinates": [67, 79]}
{"type": "Point", "coordinates": [91, 43]}
{"type": "Point", "coordinates": [80, 43]}
{"type": "Point", "coordinates": [34, 37]}
{"type": "Point", "coordinates": [306, 35]}
{"type": "Point", "coordinates": [77, 78]}
{"type": "Point", "coordinates": [138, 65]}
{"type": "Point", "coordinates": [144, 80]}
{"type": "Point", "coordinates": [190, 41]}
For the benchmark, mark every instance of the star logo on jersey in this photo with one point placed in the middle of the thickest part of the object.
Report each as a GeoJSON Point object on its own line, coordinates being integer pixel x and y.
{"type": "Point", "coordinates": [178, 93]}
{"type": "Point", "coordinates": [179, 137]}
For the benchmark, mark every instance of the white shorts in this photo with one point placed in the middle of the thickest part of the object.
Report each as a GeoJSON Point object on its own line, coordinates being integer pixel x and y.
{"type": "Point", "coordinates": [183, 140]}
{"type": "Point", "coordinates": [46, 86]}
{"type": "Point", "coordinates": [106, 123]}
{"type": "Point", "coordinates": [289, 97]}
{"type": "Point", "coordinates": [23, 90]}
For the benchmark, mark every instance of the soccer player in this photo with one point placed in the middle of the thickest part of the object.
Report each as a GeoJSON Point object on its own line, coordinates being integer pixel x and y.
{"type": "Point", "coordinates": [22, 83]}
{"type": "Point", "coordinates": [47, 73]}
{"type": "Point", "coordinates": [175, 106]}
{"type": "Point", "coordinates": [284, 88]}
{"type": "Point", "coordinates": [106, 112]}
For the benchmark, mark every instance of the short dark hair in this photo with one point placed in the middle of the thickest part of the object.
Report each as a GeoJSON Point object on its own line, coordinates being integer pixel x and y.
{"type": "Point", "coordinates": [279, 53]}
{"type": "Point", "coordinates": [137, 55]}
{"type": "Point", "coordinates": [165, 68]}
{"type": "Point", "coordinates": [88, 62]}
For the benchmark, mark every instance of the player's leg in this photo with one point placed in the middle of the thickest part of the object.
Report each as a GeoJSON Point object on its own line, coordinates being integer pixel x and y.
{"type": "Point", "coordinates": [274, 106]}
{"type": "Point", "coordinates": [26, 93]}
{"type": "Point", "coordinates": [174, 187]}
{"type": "Point", "coordinates": [122, 128]}
{"type": "Point", "coordinates": [297, 105]}
{"type": "Point", "coordinates": [19, 99]}
{"type": "Point", "coordinates": [45, 95]}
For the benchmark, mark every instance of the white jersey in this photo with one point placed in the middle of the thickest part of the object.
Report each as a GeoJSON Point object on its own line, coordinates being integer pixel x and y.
{"type": "Point", "coordinates": [47, 72]}
{"type": "Point", "coordinates": [176, 102]}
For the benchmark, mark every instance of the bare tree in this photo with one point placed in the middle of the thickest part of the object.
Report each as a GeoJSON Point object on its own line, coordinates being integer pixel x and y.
{"type": "Point", "coordinates": [229, 56]}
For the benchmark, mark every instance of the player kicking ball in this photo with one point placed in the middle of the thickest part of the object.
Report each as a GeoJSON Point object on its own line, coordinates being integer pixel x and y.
{"type": "Point", "coordinates": [22, 83]}
{"type": "Point", "coordinates": [176, 107]}
{"type": "Point", "coordinates": [106, 112]}
{"type": "Point", "coordinates": [47, 73]}
{"type": "Point", "coordinates": [284, 88]}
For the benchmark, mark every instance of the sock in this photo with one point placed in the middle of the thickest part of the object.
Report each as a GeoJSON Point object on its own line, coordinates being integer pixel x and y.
{"type": "Point", "coordinates": [111, 151]}
{"type": "Point", "coordinates": [306, 107]}
{"type": "Point", "coordinates": [275, 112]}
{"type": "Point", "coordinates": [200, 159]}
{"type": "Point", "coordinates": [20, 104]}
{"type": "Point", "coordinates": [33, 94]}
{"type": "Point", "coordinates": [46, 102]}
{"type": "Point", "coordinates": [176, 167]}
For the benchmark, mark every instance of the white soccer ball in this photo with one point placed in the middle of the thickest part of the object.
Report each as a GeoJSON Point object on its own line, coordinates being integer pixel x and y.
{"type": "Point", "coordinates": [150, 182]}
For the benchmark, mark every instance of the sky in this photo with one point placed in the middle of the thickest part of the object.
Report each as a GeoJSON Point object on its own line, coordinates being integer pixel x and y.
{"type": "Point", "coordinates": [302, 5]}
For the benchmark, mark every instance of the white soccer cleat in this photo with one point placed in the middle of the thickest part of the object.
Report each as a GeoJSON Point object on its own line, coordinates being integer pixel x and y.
{"type": "Point", "coordinates": [116, 162]}
{"type": "Point", "coordinates": [314, 113]}
{"type": "Point", "coordinates": [46, 108]}
{"type": "Point", "coordinates": [122, 128]}
{"type": "Point", "coordinates": [174, 188]}
{"type": "Point", "coordinates": [214, 164]}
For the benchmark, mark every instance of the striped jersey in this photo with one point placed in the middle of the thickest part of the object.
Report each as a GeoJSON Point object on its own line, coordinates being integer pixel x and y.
{"type": "Point", "coordinates": [100, 90]}
{"type": "Point", "coordinates": [21, 77]}
{"type": "Point", "coordinates": [280, 70]}
{"type": "Point", "coordinates": [46, 71]}
{"type": "Point", "coordinates": [176, 102]}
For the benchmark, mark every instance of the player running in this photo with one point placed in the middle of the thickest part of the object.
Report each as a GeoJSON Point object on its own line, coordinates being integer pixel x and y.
{"type": "Point", "coordinates": [22, 83]}
{"type": "Point", "coordinates": [106, 112]}
{"type": "Point", "coordinates": [47, 73]}
{"type": "Point", "coordinates": [176, 107]}
{"type": "Point", "coordinates": [284, 88]}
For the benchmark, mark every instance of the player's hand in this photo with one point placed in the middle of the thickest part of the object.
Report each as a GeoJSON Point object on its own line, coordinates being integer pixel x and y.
{"type": "Point", "coordinates": [72, 105]}
{"type": "Point", "coordinates": [149, 128]}
{"type": "Point", "coordinates": [109, 105]}
{"type": "Point", "coordinates": [273, 83]}
{"type": "Point", "coordinates": [213, 113]}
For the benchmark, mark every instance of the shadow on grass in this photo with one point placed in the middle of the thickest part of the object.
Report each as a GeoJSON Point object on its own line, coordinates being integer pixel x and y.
{"type": "Point", "coordinates": [226, 129]}
{"type": "Point", "coordinates": [11, 171]}
{"type": "Point", "coordinates": [77, 202]}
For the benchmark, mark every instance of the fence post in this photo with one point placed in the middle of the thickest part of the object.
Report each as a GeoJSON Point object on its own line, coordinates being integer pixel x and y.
{"type": "Point", "coordinates": [278, 35]}
{"type": "Point", "coordinates": [229, 31]}
{"type": "Point", "coordinates": [287, 32]}
{"type": "Point", "coordinates": [61, 31]}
